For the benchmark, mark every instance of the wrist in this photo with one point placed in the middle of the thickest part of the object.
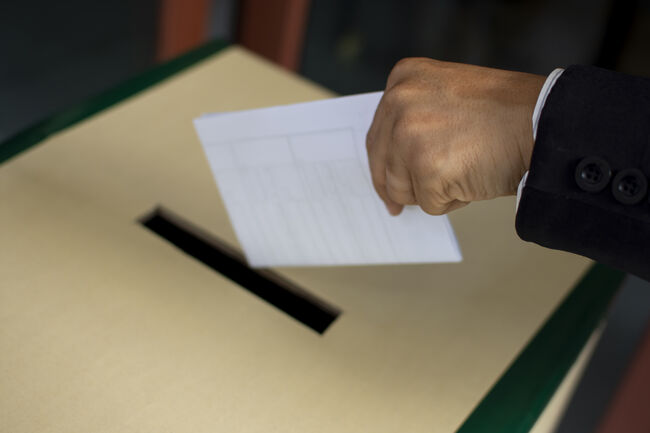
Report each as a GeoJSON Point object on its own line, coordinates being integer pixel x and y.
{"type": "Point", "coordinates": [539, 106]}
{"type": "Point", "coordinates": [528, 92]}
{"type": "Point", "coordinates": [541, 99]}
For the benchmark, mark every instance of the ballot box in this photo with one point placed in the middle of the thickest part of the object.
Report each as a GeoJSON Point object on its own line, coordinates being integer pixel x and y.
{"type": "Point", "coordinates": [125, 305]}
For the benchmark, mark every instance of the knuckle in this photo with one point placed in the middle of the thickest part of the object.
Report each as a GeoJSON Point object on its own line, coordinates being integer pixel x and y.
{"type": "Point", "coordinates": [400, 197]}
{"type": "Point", "coordinates": [456, 176]}
{"type": "Point", "coordinates": [433, 208]}
{"type": "Point", "coordinates": [433, 200]}
{"type": "Point", "coordinates": [409, 66]}
{"type": "Point", "coordinates": [394, 193]}
{"type": "Point", "coordinates": [403, 64]}
{"type": "Point", "coordinates": [454, 186]}
{"type": "Point", "coordinates": [420, 164]}
{"type": "Point", "coordinates": [401, 129]}
{"type": "Point", "coordinates": [400, 193]}
{"type": "Point", "coordinates": [407, 90]}
{"type": "Point", "coordinates": [405, 61]}
{"type": "Point", "coordinates": [422, 160]}
{"type": "Point", "coordinates": [392, 96]}
{"type": "Point", "coordinates": [378, 183]}
{"type": "Point", "coordinates": [391, 165]}
{"type": "Point", "coordinates": [406, 129]}
{"type": "Point", "coordinates": [449, 189]}
{"type": "Point", "coordinates": [409, 63]}
{"type": "Point", "coordinates": [401, 93]}
{"type": "Point", "coordinates": [443, 160]}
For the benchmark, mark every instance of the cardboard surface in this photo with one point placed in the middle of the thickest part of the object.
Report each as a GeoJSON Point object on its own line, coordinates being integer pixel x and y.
{"type": "Point", "coordinates": [106, 327]}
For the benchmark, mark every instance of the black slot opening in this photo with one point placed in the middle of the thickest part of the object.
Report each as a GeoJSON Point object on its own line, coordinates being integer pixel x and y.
{"type": "Point", "coordinates": [216, 254]}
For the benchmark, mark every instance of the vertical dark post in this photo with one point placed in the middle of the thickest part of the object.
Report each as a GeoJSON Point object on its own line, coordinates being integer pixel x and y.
{"type": "Point", "coordinates": [617, 32]}
{"type": "Point", "coordinates": [274, 29]}
{"type": "Point", "coordinates": [182, 25]}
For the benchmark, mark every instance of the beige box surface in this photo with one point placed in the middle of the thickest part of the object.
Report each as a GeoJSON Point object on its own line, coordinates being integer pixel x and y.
{"type": "Point", "coordinates": [104, 326]}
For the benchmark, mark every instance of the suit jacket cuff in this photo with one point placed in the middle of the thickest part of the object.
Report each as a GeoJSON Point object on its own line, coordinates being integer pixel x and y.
{"type": "Point", "coordinates": [541, 100]}
{"type": "Point", "coordinates": [586, 190]}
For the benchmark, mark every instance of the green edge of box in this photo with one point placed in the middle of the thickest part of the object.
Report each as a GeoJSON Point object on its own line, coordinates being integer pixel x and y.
{"type": "Point", "coordinates": [66, 118]}
{"type": "Point", "coordinates": [521, 394]}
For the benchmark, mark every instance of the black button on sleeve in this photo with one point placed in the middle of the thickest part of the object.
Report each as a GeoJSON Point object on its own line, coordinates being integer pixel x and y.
{"type": "Point", "coordinates": [593, 174]}
{"type": "Point", "coordinates": [629, 186]}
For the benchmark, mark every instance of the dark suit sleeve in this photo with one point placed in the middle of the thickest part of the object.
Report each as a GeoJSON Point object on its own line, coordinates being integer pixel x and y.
{"type": "Point", "coordinates": [587, 188]}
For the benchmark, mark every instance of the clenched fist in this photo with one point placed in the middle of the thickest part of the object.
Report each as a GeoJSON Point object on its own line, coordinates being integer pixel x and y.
{"type": "Point", "coordinates": [445, 134]}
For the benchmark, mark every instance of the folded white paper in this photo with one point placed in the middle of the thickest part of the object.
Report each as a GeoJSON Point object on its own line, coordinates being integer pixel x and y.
{"type": "Point", "coordinates": [297, 187]}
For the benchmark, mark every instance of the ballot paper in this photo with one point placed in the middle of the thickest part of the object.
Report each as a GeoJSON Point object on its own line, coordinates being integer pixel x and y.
{"type": "Point", "coordinates": [296, 184]}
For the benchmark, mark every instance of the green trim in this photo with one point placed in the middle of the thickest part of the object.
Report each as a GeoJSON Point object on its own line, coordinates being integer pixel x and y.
{"type": "Point", "coordinates": [521, 394]}
{"type": "Point", "coordinates": [57, 122]}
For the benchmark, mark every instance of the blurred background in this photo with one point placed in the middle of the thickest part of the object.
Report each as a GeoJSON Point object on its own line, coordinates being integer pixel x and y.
{"type": "Point", "coordinates": [55, 54]}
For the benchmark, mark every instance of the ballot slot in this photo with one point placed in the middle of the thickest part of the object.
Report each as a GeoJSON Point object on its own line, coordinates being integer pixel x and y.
{"type": "Point", "coordinates": [266, 284]}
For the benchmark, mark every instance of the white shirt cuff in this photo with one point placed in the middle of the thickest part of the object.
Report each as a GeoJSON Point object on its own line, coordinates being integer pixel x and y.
{"type": "Point", "coordinates": [539, 106]}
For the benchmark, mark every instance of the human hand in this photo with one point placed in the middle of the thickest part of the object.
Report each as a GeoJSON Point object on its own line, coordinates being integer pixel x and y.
{"type": "Point", "coordinates": [445, 134]}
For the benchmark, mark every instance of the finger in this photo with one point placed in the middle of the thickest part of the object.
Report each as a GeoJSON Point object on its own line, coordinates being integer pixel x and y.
{"type": "Point", "coordinates": [434, 203]}
{"type": "Point", "coordinates": [377, 162]}
{"type": "Point", "coordinates": [398, 183]}
{"type": "Point", "coordinates": [371, 135]}
{"type": "Point", "coordinates": [433, 208]}
{"type": "Point", "coordinates": [456, 204]}
{"type": "Point", "coordinates": [377, 142]}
